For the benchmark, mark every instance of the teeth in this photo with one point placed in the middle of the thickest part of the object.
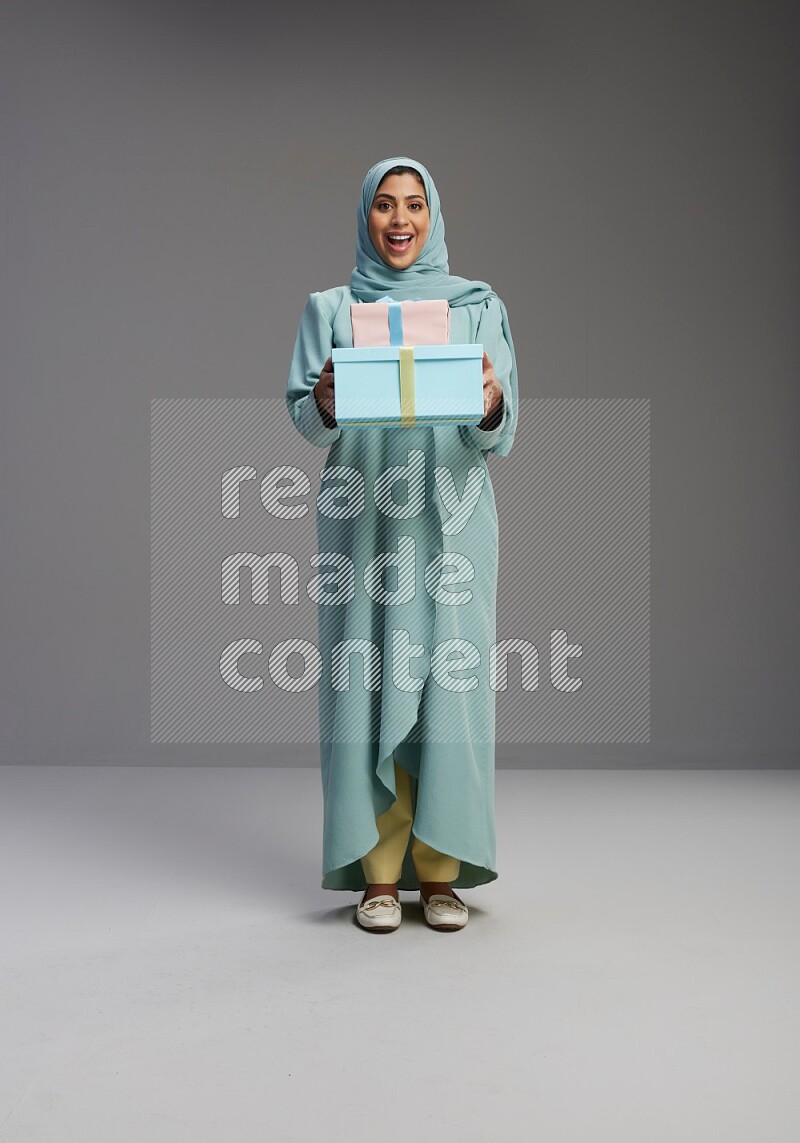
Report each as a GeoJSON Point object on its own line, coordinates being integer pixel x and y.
{"type": "Point", "coordinates": [400, 237]}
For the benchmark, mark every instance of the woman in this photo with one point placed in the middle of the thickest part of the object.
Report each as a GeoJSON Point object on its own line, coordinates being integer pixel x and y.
{"type": "Point", "coordinates": [413, 743]}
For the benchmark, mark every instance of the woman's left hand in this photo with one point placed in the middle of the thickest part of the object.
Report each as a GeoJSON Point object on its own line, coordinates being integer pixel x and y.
{"type": "Point", "coordinates": [492, 396]}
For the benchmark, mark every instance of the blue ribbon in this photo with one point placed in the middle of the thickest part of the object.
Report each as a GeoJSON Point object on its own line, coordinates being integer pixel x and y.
{"type": "Point", "coordinates": [395, 323]}
{"type": "Point", "coordinates": [395, 318]}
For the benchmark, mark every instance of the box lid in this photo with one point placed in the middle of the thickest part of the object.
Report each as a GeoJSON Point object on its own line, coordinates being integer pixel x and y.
{"type": "Point", "coordinates": [421, 352]}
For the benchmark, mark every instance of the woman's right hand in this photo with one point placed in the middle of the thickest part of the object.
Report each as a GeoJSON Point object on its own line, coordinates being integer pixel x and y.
{"type": "Point", "coordinates": [324, 395]}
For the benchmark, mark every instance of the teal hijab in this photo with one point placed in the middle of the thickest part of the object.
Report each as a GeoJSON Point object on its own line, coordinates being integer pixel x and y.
{"type": "Point", "coordinates": [428, 277]}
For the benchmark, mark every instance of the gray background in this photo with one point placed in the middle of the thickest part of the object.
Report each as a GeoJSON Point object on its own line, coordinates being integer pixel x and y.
{"type": "Point", "coordinates": [179, 177]}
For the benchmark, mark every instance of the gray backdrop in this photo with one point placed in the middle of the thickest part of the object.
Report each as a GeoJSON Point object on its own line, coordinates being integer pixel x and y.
{"type": "Point", "coordinates": [178, 178]}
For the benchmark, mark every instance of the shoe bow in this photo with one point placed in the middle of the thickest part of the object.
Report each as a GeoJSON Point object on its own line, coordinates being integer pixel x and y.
{"type": "Point", "coordinates": [380, 902]}
{"type": "Point", "coordinates": [448, 904]}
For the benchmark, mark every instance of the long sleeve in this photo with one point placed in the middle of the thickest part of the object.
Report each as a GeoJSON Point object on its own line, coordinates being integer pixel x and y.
{"type": "Point", "coordinates": [494, 333]}
{"type": "Point", "coordinates": [312, 348]}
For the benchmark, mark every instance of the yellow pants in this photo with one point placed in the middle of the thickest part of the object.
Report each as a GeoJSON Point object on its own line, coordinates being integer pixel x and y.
{"type": "Point", "coordinates": [383, 864]}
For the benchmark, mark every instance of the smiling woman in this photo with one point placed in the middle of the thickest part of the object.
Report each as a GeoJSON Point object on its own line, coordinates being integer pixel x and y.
{"type": "Point", "coordinates": [408, 773]}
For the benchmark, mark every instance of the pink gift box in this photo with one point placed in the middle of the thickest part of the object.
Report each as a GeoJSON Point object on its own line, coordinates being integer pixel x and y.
{"type": "Point", "coordinates": [424, 322]}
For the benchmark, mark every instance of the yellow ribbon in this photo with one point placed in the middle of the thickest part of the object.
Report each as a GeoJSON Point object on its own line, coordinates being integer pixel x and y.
{"type": "Point", "coordinates": [407, 402]}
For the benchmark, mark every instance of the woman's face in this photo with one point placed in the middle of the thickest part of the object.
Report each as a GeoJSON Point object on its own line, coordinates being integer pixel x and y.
{"type": "Point", "coordinates": [399, 208]}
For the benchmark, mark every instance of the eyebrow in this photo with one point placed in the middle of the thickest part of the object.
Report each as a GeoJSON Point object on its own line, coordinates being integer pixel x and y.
{"type": "Point", "coordinates": [391, 196]}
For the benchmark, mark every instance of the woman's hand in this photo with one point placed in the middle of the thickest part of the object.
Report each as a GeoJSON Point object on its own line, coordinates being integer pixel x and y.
{"type": "Point", "coordinates": [324, 395]}
{"type": "Point", "coordinates": [492, 396]}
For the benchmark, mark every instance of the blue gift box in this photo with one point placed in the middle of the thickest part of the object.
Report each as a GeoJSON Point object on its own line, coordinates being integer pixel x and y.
{"type": "Point", "coordinates": [404, 386]}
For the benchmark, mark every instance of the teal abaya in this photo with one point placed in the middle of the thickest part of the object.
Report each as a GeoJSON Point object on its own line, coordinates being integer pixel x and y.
{"type": "Point", "coordinates": [428, 702]}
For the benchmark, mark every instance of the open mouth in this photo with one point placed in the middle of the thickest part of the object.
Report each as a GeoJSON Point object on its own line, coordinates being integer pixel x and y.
{"type": "Point", "coordinates": [399, 242]}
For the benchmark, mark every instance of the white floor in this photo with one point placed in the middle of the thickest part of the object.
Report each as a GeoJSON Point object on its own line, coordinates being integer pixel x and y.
{"type": "Point", "coordinates": [172, 971]}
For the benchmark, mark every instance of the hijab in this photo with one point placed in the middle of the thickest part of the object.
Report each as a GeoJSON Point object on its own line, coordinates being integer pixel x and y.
{"type": "Point", "coordinates": [427, 277]}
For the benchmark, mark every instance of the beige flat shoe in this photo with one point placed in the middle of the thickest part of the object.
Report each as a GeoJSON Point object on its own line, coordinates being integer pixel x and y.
{"type": "Point", "coordinates": [445, 913]}
{"type": "Point", "coordinates": [380, 914]}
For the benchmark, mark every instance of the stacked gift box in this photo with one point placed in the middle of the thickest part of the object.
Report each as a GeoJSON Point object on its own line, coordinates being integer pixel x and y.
{"type": "Point", "coordinates": [402, 370]}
